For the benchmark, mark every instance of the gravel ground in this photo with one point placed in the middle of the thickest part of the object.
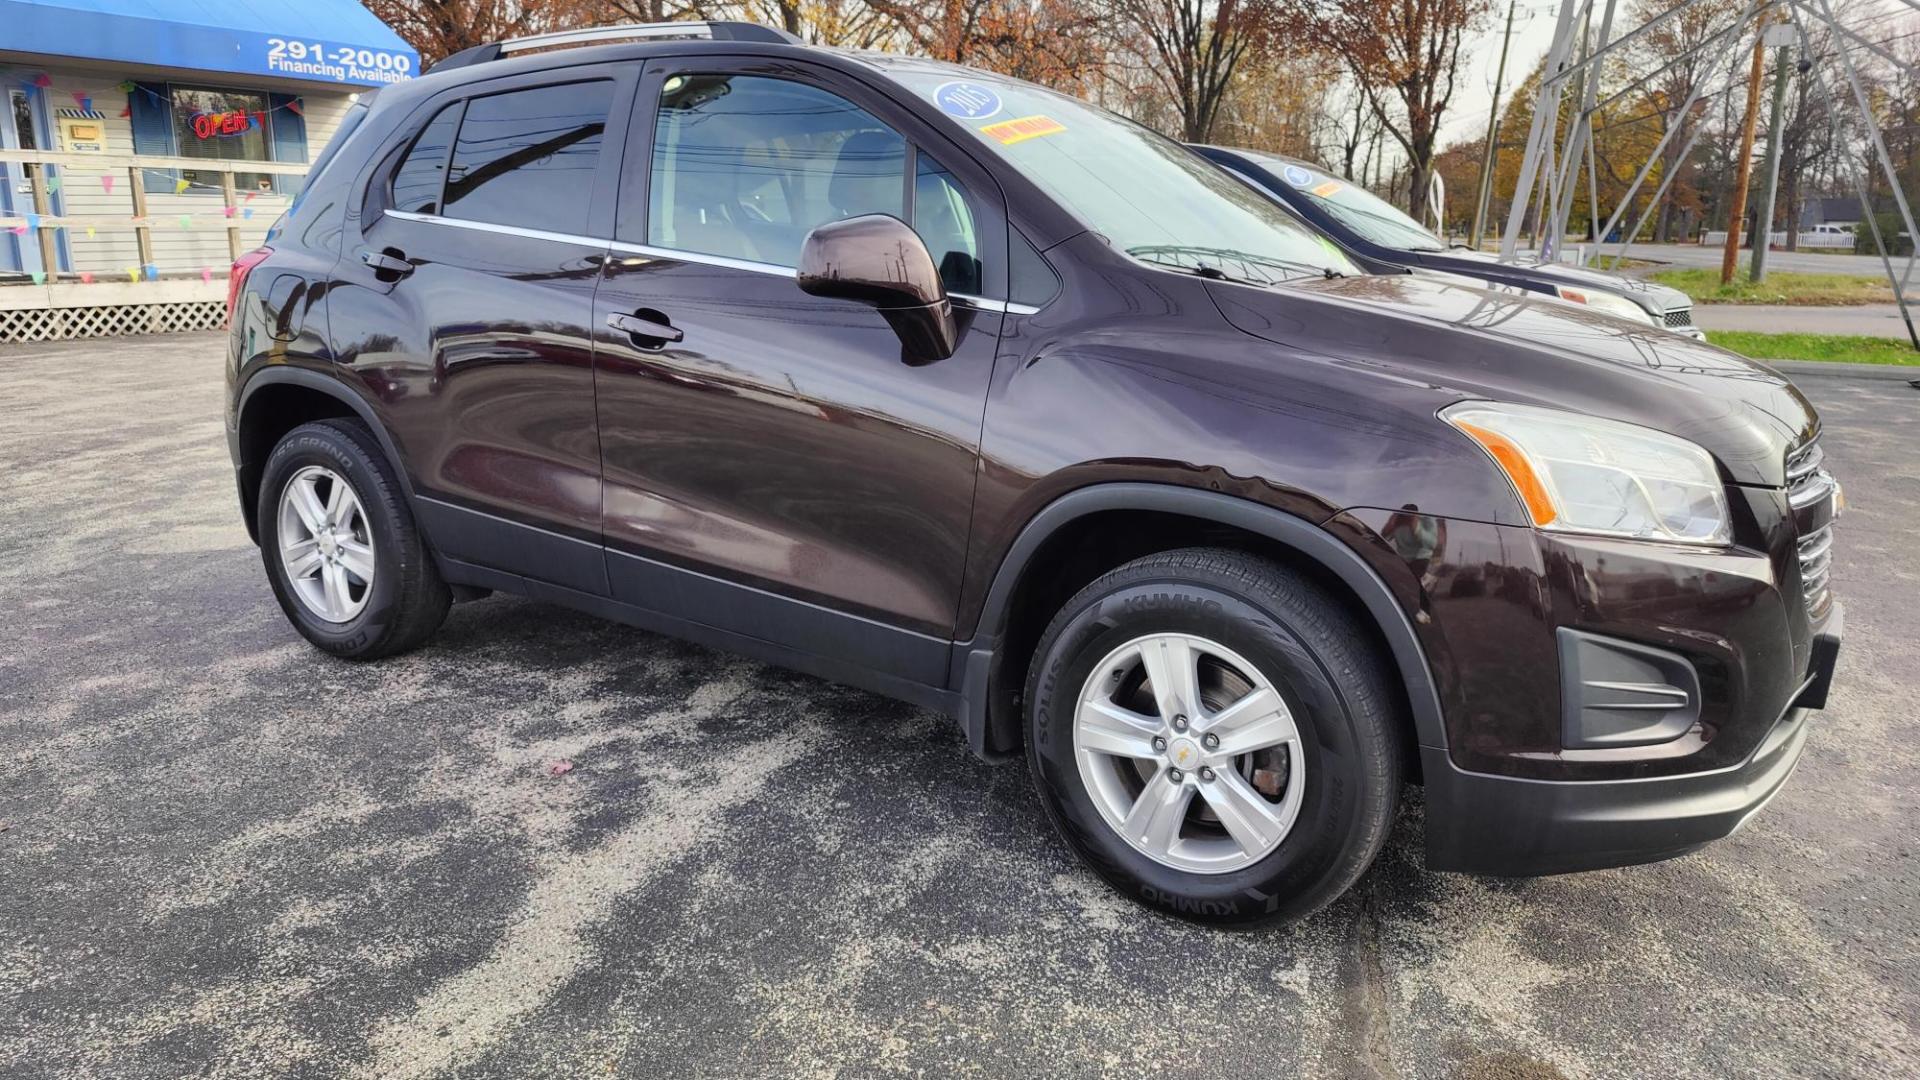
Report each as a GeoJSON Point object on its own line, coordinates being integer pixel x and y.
{"type": "Point", "coordinates": [225, 854]}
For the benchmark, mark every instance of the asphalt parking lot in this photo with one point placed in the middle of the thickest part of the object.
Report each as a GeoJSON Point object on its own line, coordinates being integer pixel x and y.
{"type": "Point", "coordinates": [225, 854]}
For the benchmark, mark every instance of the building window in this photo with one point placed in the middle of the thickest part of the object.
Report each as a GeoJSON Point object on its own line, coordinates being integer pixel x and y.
{"type": "Point", "coordinates": [23, 119]}
{"type": "Point", "coordinates": [223, 125]}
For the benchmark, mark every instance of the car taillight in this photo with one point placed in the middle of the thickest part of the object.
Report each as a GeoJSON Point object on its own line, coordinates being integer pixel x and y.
{"type": "Point", "coordinates": [237, 277]}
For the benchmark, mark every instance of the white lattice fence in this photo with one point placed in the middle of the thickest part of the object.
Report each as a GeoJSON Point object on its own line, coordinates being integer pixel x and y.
{"type": "Point", "coordinates": [110, 320]}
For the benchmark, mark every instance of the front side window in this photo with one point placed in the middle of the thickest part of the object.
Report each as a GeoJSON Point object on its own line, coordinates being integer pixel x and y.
{"type": "Point", "coordinates": [526, 158]}
{"type": "Point", "coordinates": [1147, 195]}
{"type": "Point", "coordinates": [223, 125]}
{"type": "Point", "coordinates": [745, 167]}
{"type": "Point", "coordinates": [944, 222]}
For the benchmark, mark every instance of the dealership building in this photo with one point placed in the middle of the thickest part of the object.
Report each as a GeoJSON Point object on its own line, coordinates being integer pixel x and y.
{"type": "Point", "coordinates": [147, 141]}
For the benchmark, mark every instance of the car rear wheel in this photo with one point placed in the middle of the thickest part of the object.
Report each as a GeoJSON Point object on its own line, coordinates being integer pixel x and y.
{"type": "Point", "coordinates": [1216, 736]}
{"type": "Point", "coordinates": [340, 547]}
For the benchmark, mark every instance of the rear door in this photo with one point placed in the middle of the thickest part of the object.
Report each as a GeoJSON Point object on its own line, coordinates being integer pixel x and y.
{"type": "Point", "coordinates": [773, 466]}
{"type": "Point", "coordinates": [467, 312]}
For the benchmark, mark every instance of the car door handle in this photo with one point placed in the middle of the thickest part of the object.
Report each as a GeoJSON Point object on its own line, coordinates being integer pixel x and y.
{"type": "Point", "coordinates": [384, 263]}
{"type": "Point", "coordinates": [644, 328]}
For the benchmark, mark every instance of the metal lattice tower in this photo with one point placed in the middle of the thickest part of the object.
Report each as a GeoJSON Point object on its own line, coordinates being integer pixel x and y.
{"type": "Point", "coordinates": [1586, 35]}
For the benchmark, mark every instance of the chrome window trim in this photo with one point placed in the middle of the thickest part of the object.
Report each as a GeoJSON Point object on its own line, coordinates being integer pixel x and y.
{"type": "Point", "coordinates": [491, 227]}
{"type": "Point", "coordinates": [979, 303]}
{"type": "Point", "coordinates": [749, 265]}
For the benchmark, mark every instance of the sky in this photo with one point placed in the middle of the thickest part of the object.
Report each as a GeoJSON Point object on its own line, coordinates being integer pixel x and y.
{"type": "Point", "coordinates": [1533, 22]}
{"type": "Point", "coordinates": [1532, 34]}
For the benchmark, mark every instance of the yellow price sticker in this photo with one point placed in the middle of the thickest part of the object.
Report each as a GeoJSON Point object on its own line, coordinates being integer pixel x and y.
{"type": "Point", "coordinates": [1008, 132]}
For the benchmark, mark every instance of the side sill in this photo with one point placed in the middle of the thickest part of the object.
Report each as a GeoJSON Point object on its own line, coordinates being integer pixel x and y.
{"type": "Point", "coordinates": [480, 538]}
{"type": "Point", "coordinates": [829, 668]}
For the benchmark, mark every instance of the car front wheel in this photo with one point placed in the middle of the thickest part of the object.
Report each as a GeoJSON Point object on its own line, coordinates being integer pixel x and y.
{"type": "Point", "coordinates": [1216, 735]}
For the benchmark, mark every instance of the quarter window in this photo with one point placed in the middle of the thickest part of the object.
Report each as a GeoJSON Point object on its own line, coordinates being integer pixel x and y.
{"type": "Point", "coordinates": [745, 166]}
{"type": "Point", "coordinates": [527, 157]}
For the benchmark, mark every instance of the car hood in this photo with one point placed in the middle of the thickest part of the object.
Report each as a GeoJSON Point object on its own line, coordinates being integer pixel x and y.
{"type": "Point", "coordinates": [1476, 343]}
{"type": "Point", "coordinates": [1655, 298]}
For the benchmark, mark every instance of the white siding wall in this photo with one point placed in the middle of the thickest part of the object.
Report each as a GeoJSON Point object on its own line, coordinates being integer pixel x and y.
{"type": "Point", "coordinates": [175, 251]}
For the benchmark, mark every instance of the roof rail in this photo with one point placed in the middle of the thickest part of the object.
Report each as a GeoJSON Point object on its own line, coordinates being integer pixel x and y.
{"type": "Point", "coordinates": [601, 35]}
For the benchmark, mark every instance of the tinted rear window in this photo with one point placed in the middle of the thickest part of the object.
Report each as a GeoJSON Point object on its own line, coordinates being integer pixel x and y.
{"type": "Point", "coordinates": [417, 183]}
{"type": "Point", "coordinates": [527, 157]}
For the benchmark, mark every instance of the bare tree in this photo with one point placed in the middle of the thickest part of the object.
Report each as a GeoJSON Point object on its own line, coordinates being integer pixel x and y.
{"type": "Point", "coordinates": [1193, 49]}
{"type": "Point", "coordinates": [1055, 42]}
{"type": "Point", "coordinates": [1405, 56]}
{"type": "Point", "coordinates": [1673, 62]}
{"type": "Point", "coordinates": [439, 28]}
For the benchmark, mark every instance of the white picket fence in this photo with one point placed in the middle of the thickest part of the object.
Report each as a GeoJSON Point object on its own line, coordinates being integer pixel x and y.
{"type": "Point", "coordinates": [1778, 238]}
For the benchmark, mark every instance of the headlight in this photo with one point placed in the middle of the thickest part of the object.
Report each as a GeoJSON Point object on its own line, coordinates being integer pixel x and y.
{"type": "Point", "coordinates": [1582, 474]}
{"type": "Point", "coordinates": [1607, 302]}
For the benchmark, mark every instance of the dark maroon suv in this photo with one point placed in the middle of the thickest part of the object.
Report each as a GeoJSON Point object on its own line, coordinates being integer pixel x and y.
{"type": "Point", "coordinates": [952, 387]}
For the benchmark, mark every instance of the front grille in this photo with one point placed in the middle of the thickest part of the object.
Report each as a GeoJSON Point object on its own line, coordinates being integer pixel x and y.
{"type": "Point", "coordinates": [1679, 317]}
{"type": "Point", "coordinates": [1808, 483]}
{"type": "Point", "coordinates": [1816, 565]}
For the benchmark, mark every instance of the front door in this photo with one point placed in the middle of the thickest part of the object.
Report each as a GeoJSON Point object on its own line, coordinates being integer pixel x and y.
{"type": "Point", "coordinates": [472, 292]}
{"type": "Point", "coordinates": [773, 466]}
{"type": "Point", "coordinates": [19, 252]}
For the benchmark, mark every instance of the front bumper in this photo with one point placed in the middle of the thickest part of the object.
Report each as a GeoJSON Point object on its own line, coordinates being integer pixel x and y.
{"type": "Point", "coordinates": [1512, 826]}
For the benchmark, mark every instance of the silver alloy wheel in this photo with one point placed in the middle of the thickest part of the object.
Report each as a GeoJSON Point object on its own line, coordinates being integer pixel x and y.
{"type": "Point", "coordinates": [1218, 730]}
{"type": "Point", "coordinates": [325, 544]}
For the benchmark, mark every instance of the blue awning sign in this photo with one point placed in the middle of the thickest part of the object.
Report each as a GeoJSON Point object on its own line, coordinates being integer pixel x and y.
{"type": "Point", "coordinates": [338, 63]}
{"type": "Point", "coordinates": [326, 41]}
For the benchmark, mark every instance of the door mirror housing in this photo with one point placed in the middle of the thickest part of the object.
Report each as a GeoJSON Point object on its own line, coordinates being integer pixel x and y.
{"type": "Point", "coordinates": [878, 259]}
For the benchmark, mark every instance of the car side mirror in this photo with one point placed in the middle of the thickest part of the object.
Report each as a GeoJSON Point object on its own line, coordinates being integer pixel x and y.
{"type": "Point", "coordinates": [878, 259]}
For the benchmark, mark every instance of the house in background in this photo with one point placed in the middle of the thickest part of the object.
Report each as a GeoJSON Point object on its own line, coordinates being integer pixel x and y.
{"type": "Point", "coordinates": [144, 141]}
{"type": "Point", "coordinates": [1833, 210]}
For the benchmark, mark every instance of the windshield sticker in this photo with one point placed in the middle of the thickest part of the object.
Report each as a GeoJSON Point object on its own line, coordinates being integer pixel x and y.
{"type": "Point", "coordinates": [1328, 188]}
{"type": "Point", "coordinates": [1008, 132]}
{"type": "Point", "coordinates": [1297, 176]}
{"type": "Point", "coordinates": [966, 100]}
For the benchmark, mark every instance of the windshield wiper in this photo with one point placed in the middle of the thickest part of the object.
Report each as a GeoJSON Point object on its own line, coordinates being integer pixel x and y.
{"type": "Point", "coordinates": [1203, 262]}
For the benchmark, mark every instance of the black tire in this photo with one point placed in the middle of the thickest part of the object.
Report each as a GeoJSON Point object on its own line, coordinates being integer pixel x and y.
{"type": "Point", "coordinates": [1310, 648]}
{"type": "Point", "coordinates": [407, 600]}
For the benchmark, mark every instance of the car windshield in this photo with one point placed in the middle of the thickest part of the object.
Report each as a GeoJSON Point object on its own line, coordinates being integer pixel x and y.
{"type": "Point", "coordinates": [1148, 195]}
{"type": "Point", "coordinates": [1358, 209]}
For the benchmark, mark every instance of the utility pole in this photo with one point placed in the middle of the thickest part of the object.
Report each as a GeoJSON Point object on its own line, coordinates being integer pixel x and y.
{"type": "Point", "coordinates": [1736, 216]}
{"type": "Point", "coordinates": [1763, 223]}
{"type": "Point", "coordinates": [1493, 136]}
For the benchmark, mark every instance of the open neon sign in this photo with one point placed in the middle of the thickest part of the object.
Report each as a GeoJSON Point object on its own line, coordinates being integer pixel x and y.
{"type": "Point", "coordinates": [224, 125]}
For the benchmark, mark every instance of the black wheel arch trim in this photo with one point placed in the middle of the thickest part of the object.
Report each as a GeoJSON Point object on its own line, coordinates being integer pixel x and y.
{"type": "Point", "coordinates": [973, 668]}
{"type": "Point", "coordinates": [331, 386]}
